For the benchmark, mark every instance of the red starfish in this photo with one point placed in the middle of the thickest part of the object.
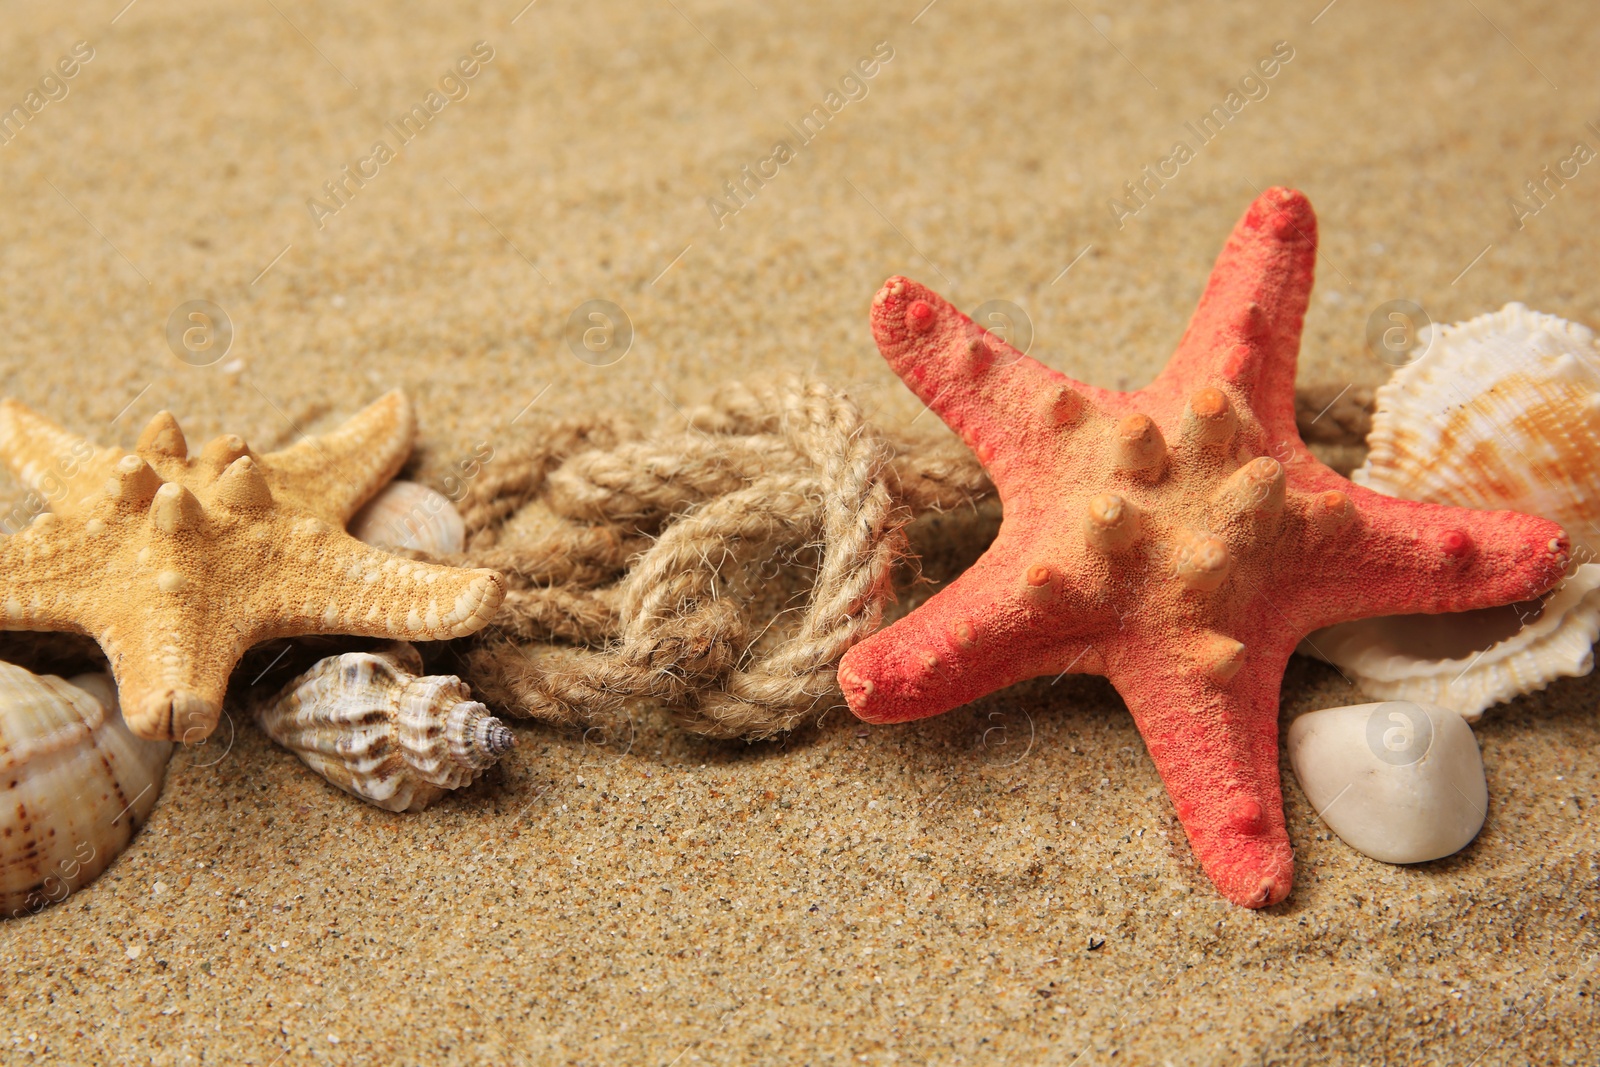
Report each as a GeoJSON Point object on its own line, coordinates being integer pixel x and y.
{"type": "Point", "coordinates": [1185, 574]}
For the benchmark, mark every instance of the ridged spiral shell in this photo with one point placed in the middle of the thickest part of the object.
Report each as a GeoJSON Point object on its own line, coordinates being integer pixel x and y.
{"type": "Point", "coordinates": [75, 784]}
{"type": "Point", "coordinates": [1501, 413]}
{"type": "Point", "coordinates": [371, 724]}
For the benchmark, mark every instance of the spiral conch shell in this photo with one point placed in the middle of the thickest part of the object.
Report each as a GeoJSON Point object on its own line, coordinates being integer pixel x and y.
{"type": "Point", "coordinates": [1502, 412]}
{"type": "Point", "coordinates": [75, 784]}
{"type": "Point", "coordinates": [369, 724]}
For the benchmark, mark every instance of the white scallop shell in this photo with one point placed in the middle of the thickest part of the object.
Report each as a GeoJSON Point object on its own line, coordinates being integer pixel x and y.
{"type": "Point", "coordinates": [75, 784]}
{"type": "Point", "coordinates": [408, 515]}
{"type": "Point", "coordinates": [369, 724]}
{"type": "Point", "coordinates": [1399, 781]}
{"type": "Point", "coordinates": [1502, 412]}
{"type": "Point", "coordinates": [1468, 660]}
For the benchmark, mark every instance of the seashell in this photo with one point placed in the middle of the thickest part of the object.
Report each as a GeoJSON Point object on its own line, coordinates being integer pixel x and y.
{"type": "Point", "coordinates": [1501, 413]}
{"type": "Point", "coordinates": [1468, 660]}
{"type": "Point", "coordinates": [369, 724]}
{"type": "Point", "coordinates": [78, 784]}
{"type": "Point", "coordinates": [1398, 781]}
{"type": "Point", "coordinates": [408, 515]}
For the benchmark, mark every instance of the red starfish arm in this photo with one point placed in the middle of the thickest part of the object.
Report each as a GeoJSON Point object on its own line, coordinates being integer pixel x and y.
{"type": "Point", "coordinates": [1405, 557]}
{"type": "Point", "coordinates": [1000, 622]}
{"type": "Point", "coordinates": [1215, 745]}
{"type": "Point", "coordinates": [996, 398]}
{"type": "Point", "coordinates": [1246, 329]}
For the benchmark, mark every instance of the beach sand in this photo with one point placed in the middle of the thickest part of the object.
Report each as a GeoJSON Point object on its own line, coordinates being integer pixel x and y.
{"type": "Point", "coordinates": [1005, 883]}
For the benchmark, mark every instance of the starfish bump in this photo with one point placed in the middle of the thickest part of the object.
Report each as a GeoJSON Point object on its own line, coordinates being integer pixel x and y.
{"type": "Point", "coordinates": [176, 564]}
{"type": "Point", "coordinates": [1179, 540]}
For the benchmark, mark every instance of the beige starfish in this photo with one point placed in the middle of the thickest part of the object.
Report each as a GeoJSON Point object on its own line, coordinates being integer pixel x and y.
{"type": "Point", "coordinates": [177, 565]}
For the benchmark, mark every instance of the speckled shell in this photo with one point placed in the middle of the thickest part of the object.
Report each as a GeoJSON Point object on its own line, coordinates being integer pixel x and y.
{"type": "Point", "coordinates": [370, 725]}
{"type": "Point", "coordinates": [407, 515]}
{"type": "Point", "coordinates": [1501, 413]}
{"type": "Point", "coordinates": [75, 784]}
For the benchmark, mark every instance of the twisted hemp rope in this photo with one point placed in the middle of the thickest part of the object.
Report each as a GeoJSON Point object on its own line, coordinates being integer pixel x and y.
{"type": "Point", "coordinates": [669, 542]}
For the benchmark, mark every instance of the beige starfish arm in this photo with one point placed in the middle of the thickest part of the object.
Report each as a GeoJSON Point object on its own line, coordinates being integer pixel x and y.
{"type": "Point", "coordinates": [945, 654]}
{"type": "Point", "coordinates": [172, 666]}
{"type": "Point", "coordinates": [66, 470]}
{"type": "Point", "coordinates": [331, 475]}
{"type": "Point", "coordinates": [43, 580]}
{"type": "Point", "coordinates": [331, 583]}
{"type": "Point", "coordinates": [1214, 742]}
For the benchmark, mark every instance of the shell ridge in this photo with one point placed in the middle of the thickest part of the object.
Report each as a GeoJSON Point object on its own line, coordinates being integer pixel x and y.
{"type": "Point", "coordinates": [368, 723]}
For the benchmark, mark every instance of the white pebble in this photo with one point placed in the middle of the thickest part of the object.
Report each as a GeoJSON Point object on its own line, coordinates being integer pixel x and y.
{"type": "Point", "coordinates": [1398, 781]}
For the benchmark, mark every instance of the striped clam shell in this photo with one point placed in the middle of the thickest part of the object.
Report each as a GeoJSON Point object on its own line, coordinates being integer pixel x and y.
{"type": "Point", "coordinates": [407, 515]}
{"type": "Point", "coordinates": [75, 784]}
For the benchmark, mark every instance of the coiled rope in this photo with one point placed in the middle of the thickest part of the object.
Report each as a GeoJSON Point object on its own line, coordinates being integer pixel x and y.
{"type": "Point", "coordinates": [666, 543]}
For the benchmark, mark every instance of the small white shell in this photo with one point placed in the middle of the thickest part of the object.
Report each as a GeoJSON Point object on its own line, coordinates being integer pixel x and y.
{"type": "Point", "coordinates": [1398, 781]}
{"type": "Point", "coordinates": [75, 784]}
{"type": "Point", "coordinates": [1502, 413]}
{"type": "Point", "coordinates": [407, 515]}
{"type": "Point", "coordinates": [367, 723]}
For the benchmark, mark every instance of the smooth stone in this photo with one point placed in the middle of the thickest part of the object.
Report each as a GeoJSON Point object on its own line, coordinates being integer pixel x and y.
{"type": "Point", "coordinates": [1398, 781]}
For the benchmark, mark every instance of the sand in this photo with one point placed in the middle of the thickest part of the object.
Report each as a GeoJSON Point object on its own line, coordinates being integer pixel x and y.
{"type": "Point", "coordinates": [1006, 883]}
